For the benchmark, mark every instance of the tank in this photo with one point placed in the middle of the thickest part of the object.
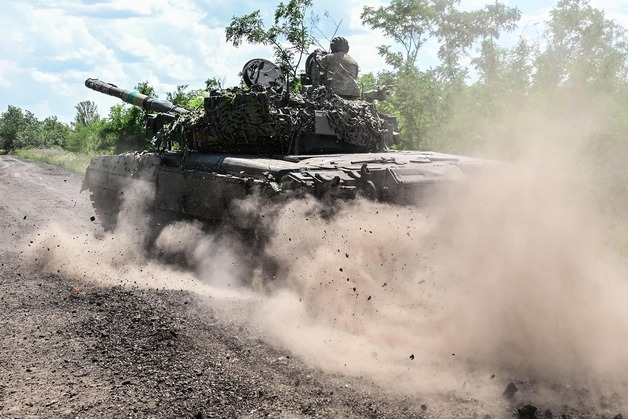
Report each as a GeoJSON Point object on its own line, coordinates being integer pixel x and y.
{"type": "Point", "coordinates": [263, 139]}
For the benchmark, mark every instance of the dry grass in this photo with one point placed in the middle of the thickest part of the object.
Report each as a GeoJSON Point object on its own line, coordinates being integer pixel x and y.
{"type": "Point", "coordinates": [73, 161]}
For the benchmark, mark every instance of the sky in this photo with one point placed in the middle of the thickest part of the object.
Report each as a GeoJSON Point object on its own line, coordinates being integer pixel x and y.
{"type": "Point", "coordinates": [49, 47]}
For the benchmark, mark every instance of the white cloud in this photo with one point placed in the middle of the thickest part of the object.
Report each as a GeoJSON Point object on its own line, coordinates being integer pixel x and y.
{"type": "Point", "coordinates": [44, 77]}
{"type": "Point", "coordinates": [7, 69]}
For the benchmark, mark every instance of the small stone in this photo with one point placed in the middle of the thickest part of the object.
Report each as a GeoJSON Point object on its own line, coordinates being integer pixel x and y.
{"type": "Point", "coordinates": [423, 406]}
{"type": "Point", "coordinates": [527, 411]}
{"type": "Point", "coordinates": [510, 391]}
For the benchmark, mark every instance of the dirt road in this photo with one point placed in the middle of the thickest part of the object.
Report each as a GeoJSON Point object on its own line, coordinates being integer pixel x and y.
{"type": "Point", "coordinates": [75, 346]}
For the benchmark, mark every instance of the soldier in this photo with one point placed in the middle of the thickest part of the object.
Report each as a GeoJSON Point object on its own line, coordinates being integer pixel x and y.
{"type": "Point", "coordinates": [338, 70]}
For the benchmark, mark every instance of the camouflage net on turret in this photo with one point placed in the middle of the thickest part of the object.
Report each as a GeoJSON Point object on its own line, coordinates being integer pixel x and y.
{"type": "Point", "coordinates": [263, 120]}
{"type": "Point", "coordinates": [355, 121]}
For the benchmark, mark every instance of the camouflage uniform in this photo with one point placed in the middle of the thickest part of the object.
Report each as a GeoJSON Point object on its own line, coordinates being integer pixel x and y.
{"type": "Point", "coordinates": [339, 70]}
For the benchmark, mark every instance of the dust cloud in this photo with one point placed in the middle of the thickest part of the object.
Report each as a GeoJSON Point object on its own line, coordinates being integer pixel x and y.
{"type": "Point", "coordinates": [132, 254]}
{"type": "Point", "coordinates": [511, 277]}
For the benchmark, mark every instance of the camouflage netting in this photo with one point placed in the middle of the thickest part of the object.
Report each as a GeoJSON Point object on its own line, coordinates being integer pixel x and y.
{"type": "Point", "coordinates": [237, 117]}
{"type": "Point", "coordinates": [356, 121]}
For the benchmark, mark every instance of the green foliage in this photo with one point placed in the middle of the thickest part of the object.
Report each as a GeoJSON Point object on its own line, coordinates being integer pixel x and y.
{"type": "Point", "coordinates": [54, 133]}
{"type": "Point", "coordinates": [12, 123]}
{"type": "Point", "coordinates": [193, 100]}
{"type": "Point", "coordinates": [212, 83]}
{"type": "Point", "coordinates": [21, 129]}
{"type": "Point", "coordinates": [30, 133]}
{"type": "Point", "coordinates": [86, 113]}
{"type": "Point", "coordinates": [367, 82]}
{"type": "Point", "coordinates": [410, 23]}
{"type": "Point", "coordinates": [124, 129]}
{"type": "Point", "coordinates": [575, 73]}
{"type": "Point", "coordinates": [423, 99]}
{"type": "Point", "coordinates": [584, 49]}
{"type": "Point", "coordinates": [88, 139]}
{"type": "Point", "coordinates": [573, 77]}
{"type": "Point", "coordinates": [288, 35]}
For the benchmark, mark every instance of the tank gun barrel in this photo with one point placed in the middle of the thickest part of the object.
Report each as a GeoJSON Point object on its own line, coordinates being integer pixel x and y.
{"type": "Point", "coordinates": [134, 98]}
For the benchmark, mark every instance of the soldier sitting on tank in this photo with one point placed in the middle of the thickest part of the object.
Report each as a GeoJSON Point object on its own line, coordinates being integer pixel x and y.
{"type": "Point", "coordinates": [338, 70]}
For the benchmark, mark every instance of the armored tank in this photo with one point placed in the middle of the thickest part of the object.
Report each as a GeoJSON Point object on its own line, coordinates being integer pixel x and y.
{"type": "Point", "coordinates": [263, 139]}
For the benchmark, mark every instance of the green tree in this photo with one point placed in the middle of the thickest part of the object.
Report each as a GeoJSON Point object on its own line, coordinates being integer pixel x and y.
{"type": "Point", "coordinates": [410, 23]}
{"type": "Point", "coordinates": [21, 129]}
{"type": "Point", "coordinates": [54, 132]}
{"type": "Point", "coordinates": [212, 83]}
{"type": "Point", "coordinates": [504, 75]}
{"type": "Point", "coordinates": [582, 74]}
{"type": "Point", "coordinates": [86, 113]}
{"type": "Point", "coordinates": [423, 99]}
{"type": "Point", "coordinates": [12, 123]}
{"type": "Point", "coordinates": [289, 35]}
{"type": "Point", "coordinates": [574, 75]}
{"type": "Point", "coordinates": [584, 49]}
{"type": "Point", "coordinates": [88, 139]}
{"type": "Point", "coordinates": [193, 99]}
{"type": "Point", "coordinates": [31, 133]}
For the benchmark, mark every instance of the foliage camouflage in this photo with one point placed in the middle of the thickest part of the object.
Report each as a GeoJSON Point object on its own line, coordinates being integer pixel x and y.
{"type": "Point", "coordinates": [263, 121]}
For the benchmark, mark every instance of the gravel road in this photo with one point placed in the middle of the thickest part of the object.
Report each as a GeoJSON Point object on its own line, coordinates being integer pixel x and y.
{"type": "Point", "coordinates": [78, 346]}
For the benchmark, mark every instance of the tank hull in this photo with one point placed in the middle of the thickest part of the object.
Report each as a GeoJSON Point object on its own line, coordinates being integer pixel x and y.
{"type": "Point", "coordinates": [204, 186]}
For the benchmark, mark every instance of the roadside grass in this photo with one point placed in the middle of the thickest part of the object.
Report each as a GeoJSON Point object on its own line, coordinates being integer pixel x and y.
{"type": "Point", "coordinates": [77, 162]}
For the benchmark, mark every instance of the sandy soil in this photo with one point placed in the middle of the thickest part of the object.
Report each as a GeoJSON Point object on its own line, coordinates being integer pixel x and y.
{"type": "Point", "coordinates": [75, 346]}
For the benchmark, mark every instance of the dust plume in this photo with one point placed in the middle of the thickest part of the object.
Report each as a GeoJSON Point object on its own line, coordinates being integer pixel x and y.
{"type": "Point", "coordinates": [512, 277]}
{"type": "Point", "coordinates": [132, 255]}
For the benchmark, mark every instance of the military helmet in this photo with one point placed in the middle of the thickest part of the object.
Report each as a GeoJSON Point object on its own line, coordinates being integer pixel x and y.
{"type": "Point", "coordinates": [339, 44]}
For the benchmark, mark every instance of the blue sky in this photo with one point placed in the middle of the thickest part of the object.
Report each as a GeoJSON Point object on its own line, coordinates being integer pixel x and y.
{"type": "Point", "coordinates": [49, 47]}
